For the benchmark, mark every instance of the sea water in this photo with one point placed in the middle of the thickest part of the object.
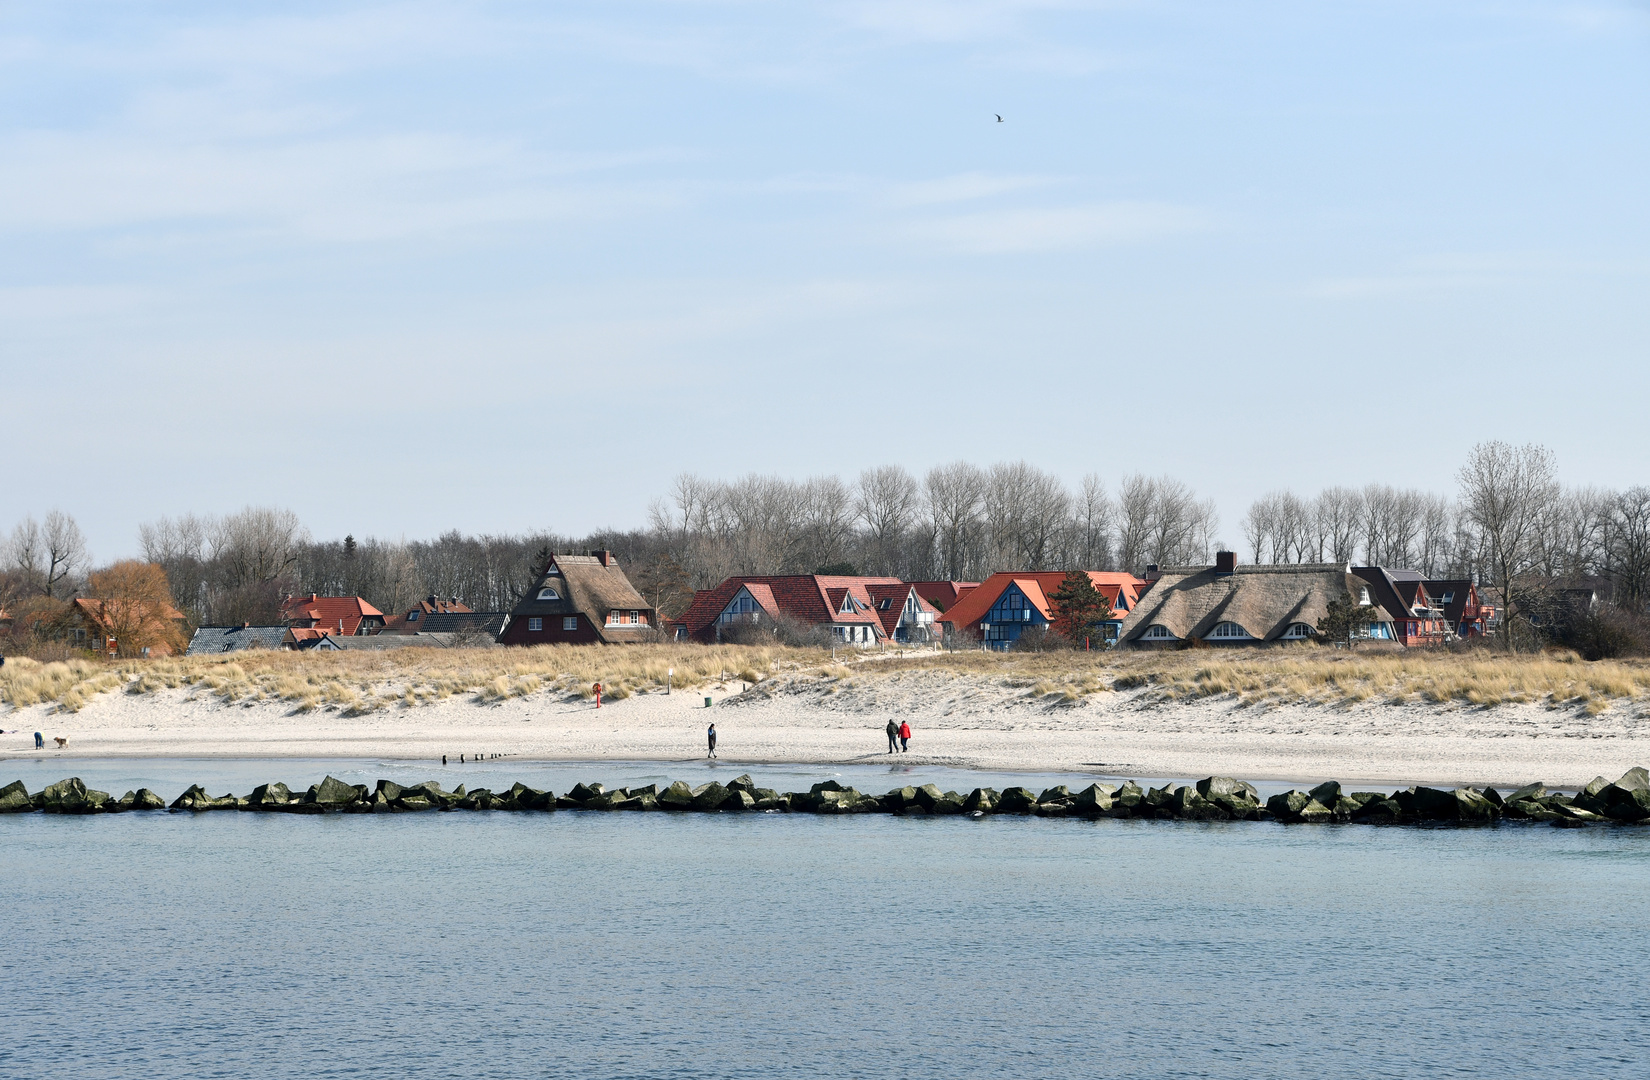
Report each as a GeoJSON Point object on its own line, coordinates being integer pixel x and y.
{"type": "Point", "coordinates": [663, 945]}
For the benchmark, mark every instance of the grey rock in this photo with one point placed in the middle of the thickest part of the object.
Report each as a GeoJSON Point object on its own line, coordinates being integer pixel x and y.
{"type": "Point", "coordinates": [981, 801]}
{"type": "Point", "coordinates": [1058, 793]}
{"type": "Point", "coordinates": [14, 799]}
{"type": "Point", "coordinates": [1016, 800]}
{"type": "Point", "coordinates": [678, 796]}
{"type": "Point", "coordinates": [1635, 779]}
{"type": "Point", "coordinates": [1216, 786]}
{"type": "Point", "coordinates": [1093, 801]}
{"type": "Point", "coordinates": [1326, 792]}
{"type": "Point", "coordinates": [334, 792]}
{"type": "Point", "coordinates": [1287, 806]}
{"type": "Point", "coordinates": [709, 797]}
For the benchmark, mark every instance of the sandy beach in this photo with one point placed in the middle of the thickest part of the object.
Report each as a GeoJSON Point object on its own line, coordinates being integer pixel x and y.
{"type": "Point", "coordinates": [956, 721]}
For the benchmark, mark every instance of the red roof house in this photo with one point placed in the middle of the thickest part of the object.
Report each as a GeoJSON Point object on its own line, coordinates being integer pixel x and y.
{"type": "Point", "coordinates": [342, 616]}
{"type": "Point", "coordinates": [858, 610]}
{"type": "Point", "coordinates": [942, 594]}
{"type": "Point", "coordinates": [414, 619]}
{"type": "Point", "coordinates": [1003, 606]}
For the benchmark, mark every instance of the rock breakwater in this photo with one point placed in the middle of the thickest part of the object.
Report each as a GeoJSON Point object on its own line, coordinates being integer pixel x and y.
{"type": "Point", "coordinates": [1217, 798]}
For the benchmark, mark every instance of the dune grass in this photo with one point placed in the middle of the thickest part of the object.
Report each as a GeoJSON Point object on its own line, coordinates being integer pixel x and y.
{"type": "Point", "coordinates": [406, 678]}
{"type": "Point", "coordinates": [362, 682]}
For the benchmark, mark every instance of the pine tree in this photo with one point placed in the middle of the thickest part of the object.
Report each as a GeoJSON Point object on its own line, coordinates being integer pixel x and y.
{"type": "Point", "coordinates": [1079, 608]}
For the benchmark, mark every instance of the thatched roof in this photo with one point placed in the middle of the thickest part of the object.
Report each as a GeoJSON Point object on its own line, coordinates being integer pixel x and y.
{"type": "Point", "coordinates": [1264, 600]}
{"type": "Point", "coordinates": [592, 586]}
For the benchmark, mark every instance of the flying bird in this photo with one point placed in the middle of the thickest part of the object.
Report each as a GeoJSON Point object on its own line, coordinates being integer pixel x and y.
{"type": "Point", "coordinates": [999, 117]}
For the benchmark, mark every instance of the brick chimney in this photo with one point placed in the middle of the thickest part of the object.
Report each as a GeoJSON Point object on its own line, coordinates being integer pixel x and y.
{"type": "Point", "coordinates": [1225, 562]}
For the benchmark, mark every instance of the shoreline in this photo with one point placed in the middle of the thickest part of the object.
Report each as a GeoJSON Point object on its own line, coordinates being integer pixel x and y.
{"type": "Point", "coordinates": [958, 723]}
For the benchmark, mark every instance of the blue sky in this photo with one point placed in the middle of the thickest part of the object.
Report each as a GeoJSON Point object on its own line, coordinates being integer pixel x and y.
{"type": "Point", "coordinates": [409, 267]}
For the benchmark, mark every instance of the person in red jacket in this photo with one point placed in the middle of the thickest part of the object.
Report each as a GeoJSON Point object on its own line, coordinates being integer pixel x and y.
{"type": "Point", "coordinates": [905, 735]}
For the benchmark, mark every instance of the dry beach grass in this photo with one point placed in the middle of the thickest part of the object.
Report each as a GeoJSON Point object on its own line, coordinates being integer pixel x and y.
{"type": "Point", "coordinates": [1294, 714]}
{"type": "Point", "coordinates": [358, 682]}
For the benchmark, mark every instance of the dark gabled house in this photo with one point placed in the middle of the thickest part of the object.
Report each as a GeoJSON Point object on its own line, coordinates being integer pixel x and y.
{"type": "Point", "coordinates": [581, 600]}
{"type": "Point", "coordinates": [412, 621]}
{"type": "Point", "coordinates": [1463, 607]}
{"type": "Point", "coordinates": [1417, 616]}
{"type": "Point", "coordinates": [221, 639]}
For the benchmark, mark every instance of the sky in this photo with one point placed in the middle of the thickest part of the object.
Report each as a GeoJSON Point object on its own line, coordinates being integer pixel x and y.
{"type": "Point", "coordinates": [408, 267]}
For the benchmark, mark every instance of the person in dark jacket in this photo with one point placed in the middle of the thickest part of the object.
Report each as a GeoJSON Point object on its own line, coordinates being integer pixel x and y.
{"type": "Point", "coordinates": [710, 737]}
{"type": "Point", "coordinates": [905, 735]}
{"type": "Point", "coordinates": [893, 736]}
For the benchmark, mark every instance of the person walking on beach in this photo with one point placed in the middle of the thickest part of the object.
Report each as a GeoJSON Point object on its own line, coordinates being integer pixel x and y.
{"type": "Point", "coordinates": [905, 735]}
{"type": "Point", "coordinates": [710, 737]}
{"type": "Point", "coordinates": [893, 736]}
{"type": "Point", "coordinates": [39, 741]}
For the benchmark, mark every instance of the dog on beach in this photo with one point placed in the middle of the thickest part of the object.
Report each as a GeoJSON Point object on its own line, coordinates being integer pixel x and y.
{"type": "Point", "coordinates": [61, 743]}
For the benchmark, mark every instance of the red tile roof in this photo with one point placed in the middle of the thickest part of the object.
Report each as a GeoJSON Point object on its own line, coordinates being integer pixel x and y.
{"type": "Point", "coordinates": [942, 594]}
{"type": "Point", "coordinates": [969, 609]}
{"type": "Point", "coordinates": [338, 614]}
{"type": "Point", "coordinates": [809, 598]}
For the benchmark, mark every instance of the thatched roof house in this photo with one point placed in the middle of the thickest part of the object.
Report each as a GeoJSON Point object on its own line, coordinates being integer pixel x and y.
{"type": "Point", "coordinates": [581, 599]}
{"type": "Point", "coordinates": [1227, 604]}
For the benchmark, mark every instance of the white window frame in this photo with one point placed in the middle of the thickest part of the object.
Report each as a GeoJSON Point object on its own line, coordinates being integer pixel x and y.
{"type": "Point", "coordinates": [535, 625]}
{"type": "Point", "coordinates": [569, 622]}
{"type": "Point", "coordinates": [1299, 631]}
{"type": "Point", "coordinates": [1223, 631]}
{"type": "Point", "coordinates": [1158, 632]}
{"type": "Point", "coordinates": [549, 593]}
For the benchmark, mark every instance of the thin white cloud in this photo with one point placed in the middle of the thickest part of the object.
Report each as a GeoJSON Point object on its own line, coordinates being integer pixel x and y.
{"type": "Point", "coordinates": [963, 187]}
{"type": "Point", "coordinates": [1058, 228]}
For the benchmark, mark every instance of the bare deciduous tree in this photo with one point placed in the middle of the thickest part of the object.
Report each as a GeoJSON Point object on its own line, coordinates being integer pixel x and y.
{"type": "Point", "coordinates": [1505, 490]}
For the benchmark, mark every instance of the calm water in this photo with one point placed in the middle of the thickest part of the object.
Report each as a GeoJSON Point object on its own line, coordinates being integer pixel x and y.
{"type": "Point", "coordinates": [586, 945]}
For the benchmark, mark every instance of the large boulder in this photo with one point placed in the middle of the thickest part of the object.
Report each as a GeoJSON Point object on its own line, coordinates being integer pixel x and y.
{"type": "Point", "coordinates": [1316, 813]}
{"type": "Point", "coordinates": [413, 803]}
{"type": "Point", "coordinates": [389, 789]}
{"type": "Point", "coordinates": [709, 797]}
{"type": "Point", "coordinates": [1287, 805]}
{"type": "Point", "coordinates": [1216, 787]}
{"type": "Point", "coordinates": [738, 799]}
{"type": "Point", "coordinates": [929, 797]}
{"type": "Point", "coordinates": [902, 800]}
{"type": "Point", "coordinates": [981, 801]}
{"type": "Point", "coordinates": [1059, 793]}
{"type": "Point", "coordinates": [1016, 800]}
{"type": "Point", "coordinates": [14, 799]}
{"type": "Point", "coordinates": [333, 792]}
{"type": "Point", "coordinates": [267, 796]}
{"type": "Point", "coordinates": [70, 796]}
{"type": "Point", "coordinates": [678, 796]}
{"type": "Point", "coordinates": [197, 800]}
{"type": "Point", "coordinates": [1326, 793]}
{"type": "Point", "coordinates": [1129, 798]}
{"type": "Point", "coordinates": [1378, 811]}
{"type": "Point", "coordinates": [531, 798]}
{"type": "Point", "coordinates": [1093, 801]}
{"type": "Point", "coordinates": [743, 783]}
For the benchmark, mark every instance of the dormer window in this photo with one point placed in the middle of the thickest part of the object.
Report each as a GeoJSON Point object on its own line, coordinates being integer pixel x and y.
{"type": "Point", "coordinates": [1447, 598]}
{"type": "Point", "coordinates": [884, 604]}
{"type": "Point", "coordinates": [412, 616]}
{"type": "Point", "coordinates": [548, 593]}
{"type": "Point", "coordinates": [1363, 596]}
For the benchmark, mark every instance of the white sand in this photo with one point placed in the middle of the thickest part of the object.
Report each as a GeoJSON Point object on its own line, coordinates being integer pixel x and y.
{"type": "Point", "coordinates": [956, 722]}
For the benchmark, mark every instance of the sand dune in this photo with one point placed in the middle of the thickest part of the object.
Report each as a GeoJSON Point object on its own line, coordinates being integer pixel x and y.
{"type": "Point", "coordinates": [957, 721]}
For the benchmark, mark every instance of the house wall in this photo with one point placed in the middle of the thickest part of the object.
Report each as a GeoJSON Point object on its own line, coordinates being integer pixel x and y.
{"type": "Point", "coordinates": [517, 632]}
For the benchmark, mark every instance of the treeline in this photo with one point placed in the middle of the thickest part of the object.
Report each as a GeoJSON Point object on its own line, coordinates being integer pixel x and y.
{"type": "Point", "coordinates": [1508, 521]}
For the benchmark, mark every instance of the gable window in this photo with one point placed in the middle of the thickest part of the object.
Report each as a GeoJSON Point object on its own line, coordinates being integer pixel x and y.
{"type": "Point", "coordinates": [742, 605]}
{"type": "Point", "coordinates": [1158, 632]}
{"type": "Point", "coordinates": [1299, 632]}
{"type": "Point", "coordinates": [570, 622]}
{"type": "Point", "coordinates": [547, 593]}
{"type": "Point", "coordinates": [1229, 631]}
{"type": "Point", "coordinates": [412, 616]}
{"type": "Point", "coordinates": [535, 624]}
{"type": "Point", "coordinates": [1363, 596]}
